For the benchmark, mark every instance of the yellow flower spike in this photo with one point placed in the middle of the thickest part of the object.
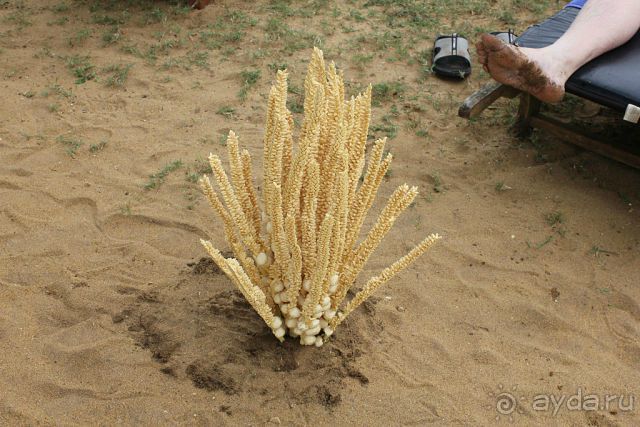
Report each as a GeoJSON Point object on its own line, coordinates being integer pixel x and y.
{"type": "Point", "coordinates": [296, 251]}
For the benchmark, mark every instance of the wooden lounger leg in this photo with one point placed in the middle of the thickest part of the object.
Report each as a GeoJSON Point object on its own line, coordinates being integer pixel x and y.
{"type": "Point", "coordinates": [483, 98]}
{"type": "Point", "coordinates": [529, 107]}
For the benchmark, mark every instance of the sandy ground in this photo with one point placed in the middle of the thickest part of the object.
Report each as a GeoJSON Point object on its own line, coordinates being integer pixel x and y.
{"type": "Point", "coordinates": [109, 314]}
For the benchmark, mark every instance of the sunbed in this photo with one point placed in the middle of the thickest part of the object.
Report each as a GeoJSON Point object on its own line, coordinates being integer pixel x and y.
{"type": "Point", "coordinates": [611, 80]}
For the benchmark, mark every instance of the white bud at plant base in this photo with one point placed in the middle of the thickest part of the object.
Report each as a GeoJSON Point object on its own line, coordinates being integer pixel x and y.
{"type": "Point", "coordinates": [318, 342]}
{"type": "Point", "coordinates": [323, 323]}
{"type": "Point", "coordinates": [295, 332]}
{"type": "Point", "coordinates": [333, 280]}
{"type": "Point", "coordinates": [325, 301]}
{"type": "Point", "coordinates": [294, 312]}
{"type": "Point", "coordinates": [277, 286]}
{"type": "Point", "coordinates": [302, 326]}
{"type": "Point", "coordinates": [284, 297]}
{"type": "Point", "coordinates": [313, 331]}
{"type": "Point", "coordinates": [328, 331]}
{"type": "Point", "coordinates": [276, 299]}
{"type": "Point", "coordinates": [308, 340]}
{"type": "Point", "coordinates": [329, 314]}
{"type": "Point", "coordinates": [317, 308]}
{"type": "Point", "coordinates": [291, 323]}
{"type": "Point", "coordinates": [314, 323]}
{"type": "Point", "coordinates": [306, 285]}
{"type": "Point", "coordinates": [333, 289]}
{"type": "Point", "coordinates": [279, 332]}
{"type": "Point", "coordinates": [284, 308]}
{"type": "Point", "coordinates": [317, 315]}
{"type": "Point", "coordinates": [269, 227]}
{"type": "Point", "coordinates": [277, 322]}
{"type": "Point", "coordinates": [261, 259]}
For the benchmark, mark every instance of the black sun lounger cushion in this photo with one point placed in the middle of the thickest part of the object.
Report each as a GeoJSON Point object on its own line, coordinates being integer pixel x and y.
{"type": "Point", "coordinates": [612, 79]}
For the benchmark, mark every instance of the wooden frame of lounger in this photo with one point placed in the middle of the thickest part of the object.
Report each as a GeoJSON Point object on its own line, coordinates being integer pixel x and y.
{"type": "Point", "coordinates": [529, 117]}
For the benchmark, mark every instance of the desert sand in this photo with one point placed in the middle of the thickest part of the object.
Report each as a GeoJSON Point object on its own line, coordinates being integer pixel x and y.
{"type": "Point", "coordinates": [110, 312]}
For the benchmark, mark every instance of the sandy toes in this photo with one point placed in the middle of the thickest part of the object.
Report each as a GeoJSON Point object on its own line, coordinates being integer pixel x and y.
{"type": "Point", "coordinates": [513, 66]}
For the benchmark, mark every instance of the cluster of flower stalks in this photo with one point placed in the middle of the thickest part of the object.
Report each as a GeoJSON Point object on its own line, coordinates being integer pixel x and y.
{"type": "Point", "coordinates": [298, 255]}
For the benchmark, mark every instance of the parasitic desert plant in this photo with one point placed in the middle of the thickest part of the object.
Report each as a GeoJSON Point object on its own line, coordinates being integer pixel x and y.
{"type": "Point", "coordinates": [297, 256]}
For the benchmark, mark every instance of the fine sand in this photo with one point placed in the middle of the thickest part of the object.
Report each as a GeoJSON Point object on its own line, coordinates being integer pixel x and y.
{"type": "Point", "coordinates": [111, 314]}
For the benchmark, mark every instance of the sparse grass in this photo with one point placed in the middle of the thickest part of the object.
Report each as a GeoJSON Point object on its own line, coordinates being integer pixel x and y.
{"type": "Point", "coordinates": [79, 37]}
{"type": "Point", "coordinates": [60, 7]}
{"type": "Point", "coordinates": [28, 94]}
{"type": "Point", "coordinates": [119, 74]}
{"type": "Point", "coordinates": [422, 133]}
{"type": "Point", "coordinates": [200, 59]}
{"type": "Point", "coordinates": [275, 66]}
{"type": "Point", "coordinates": [437, 182]}
{"type": "Point", "coordinates": [292, 40]}
{"type": "Point", "coordinates": [227, 29]}
{"type": "Point", "coordinates": [111, 35]}
{"type": "Point", "coordinates": [387, 91]}
{"type": "Point", "coordinates": [103, 19]}
{"type": "Point", "coordinates": [125, 209]}
{"type": "Point", "coordinates": [155, 15]}
{"type": "Point", "coordinates": [71, 143]}
{"type": "Point", "coordinates": [200, 167]}
{"type": "Point", "coordinates": [20, 17]}
{"type": "Point", "coordinates": [597, 250]}
{"type": "Point", "coordinates": [226, 111]}
{"type": "Point", "coordinates": [249, 79]}
{"type": "Point", "coordinates": [81, 68]}
{"type": "Point", "coordinates": [295, 106]}
{"type": "Point", "coordinates": [362, 60]}
{"type": "Point", "coordinates": [501, 186]}
{"type": "Point", "coordinates": [53, 108]}
{"type": "Point", "coordinates": [58, 90]}
{"type": "Point", "coordinates": [554, 218]}
{"type": "Point", "coordinates": [541, 244]}
{"type": "Point", "coordinates": [94, 148]}
{"type": "Point", "coordinates": [59, 21]}
{"type": "Point", "coordinates": [156, 179]}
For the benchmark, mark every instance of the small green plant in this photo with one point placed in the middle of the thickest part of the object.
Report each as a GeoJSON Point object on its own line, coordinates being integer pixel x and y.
{"type": "Point", "coordinates": [249, 79]}
{"type": "Point", "coordinates": [437, 182]}
{"type": "Point", "coordinates": [94, 148]}
{"type": "Point", "coordinates": [501, 186]}
{"type": "Point", "coordinates": [422, 133]}
{"type": "Point", "coordinates": [71, 143]}
{"type": "Point", "coordinates": [53, 108]}
{"type": "Point", "coordinates": [111, 35]}
{"type": "Point", "coordinates": [554, 218]}
{"type": "Point", "coordinates": [119, 74]}
{"type": "Point", "coordinates": [156, 179]}
{"type": "Point", "coordinates": [295, 106]}
{"type": "Point", "coordinates": [28, 94]}
{"type": "Point", "coordinates": [81, 68]}
{"type": "Point", "coordinates": [226, 111]}
{"type": "Point", "coordinates": [387, 91]}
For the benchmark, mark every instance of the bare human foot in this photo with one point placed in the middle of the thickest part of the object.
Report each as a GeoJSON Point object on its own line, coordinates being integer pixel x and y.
{"type": "Point", "coordinates": [525, 69]}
